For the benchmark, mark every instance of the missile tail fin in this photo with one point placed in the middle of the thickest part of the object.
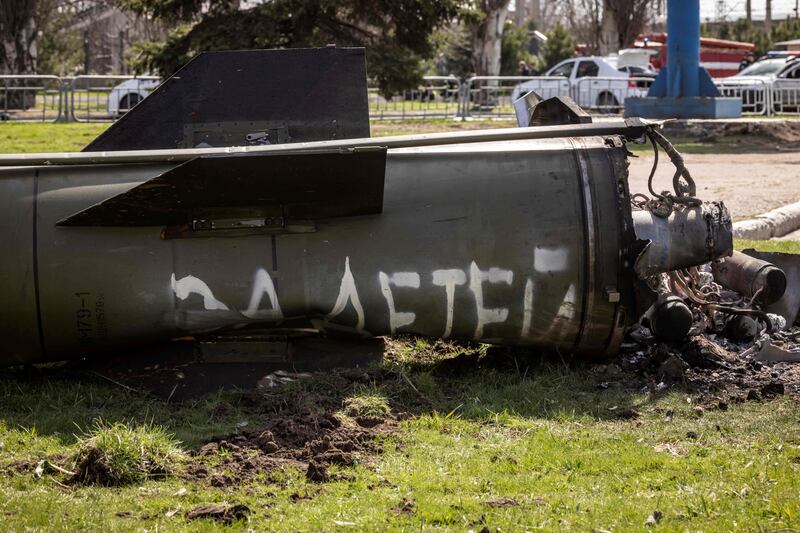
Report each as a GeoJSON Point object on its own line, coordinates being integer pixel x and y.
{"type": "Point", "coordinates": [286, 187]}
{"type": "Point", "coordinates": [241, 97]}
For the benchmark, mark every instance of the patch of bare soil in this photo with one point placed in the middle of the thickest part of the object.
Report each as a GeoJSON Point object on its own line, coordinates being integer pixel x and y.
{"type": "Point", "coordinates": [226, 514]}
{"type": "Point", "coordinates": [749, 183]}
{"type": "Point", "coordinates": [302, 431]}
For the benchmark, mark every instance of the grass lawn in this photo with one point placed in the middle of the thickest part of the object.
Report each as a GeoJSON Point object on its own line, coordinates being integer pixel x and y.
{"type": "Point", "coordinates": [70, 137]}
{"type": "Point", "coordinates": [18, 137]}
{"type": "Point", "coordinates": [533, 448]}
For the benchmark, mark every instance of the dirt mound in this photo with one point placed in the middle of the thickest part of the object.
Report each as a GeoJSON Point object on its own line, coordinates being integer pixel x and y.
{"type": "Point", "coordinates": [221, 513]}
{"type": "Point", "coordinates": [304, 429]}
{"type": "Point", "coordinates": [761, 133]}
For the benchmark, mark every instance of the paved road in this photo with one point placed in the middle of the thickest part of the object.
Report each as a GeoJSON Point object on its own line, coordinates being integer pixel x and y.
{"type": "Point", "coordinates": [749, 184]}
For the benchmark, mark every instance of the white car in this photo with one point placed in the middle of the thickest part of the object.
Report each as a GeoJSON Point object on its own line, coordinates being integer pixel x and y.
{"type": "Point", "coordinates": [636, 59]}
{"type": "Point", "coordinates": [779, 67]}
{"type": "Point", "coordinates": [774, 81]}
{"type": "Point", "coordinates": [607, 92]}
{"type": "Point", "coordinates": [129, 93]}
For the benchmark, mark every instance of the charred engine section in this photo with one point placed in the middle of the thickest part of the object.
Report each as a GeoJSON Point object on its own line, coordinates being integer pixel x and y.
{"type": "Point", "coordinates": [687, 272]}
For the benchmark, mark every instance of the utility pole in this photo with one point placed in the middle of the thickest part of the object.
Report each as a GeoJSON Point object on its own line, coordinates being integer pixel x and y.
{"type": "Point", "coordinates": [720, 13]}
{"type": "Point", "coordinates": [748, 9]}
{"type": "Point", "coordinates": [768, 16]}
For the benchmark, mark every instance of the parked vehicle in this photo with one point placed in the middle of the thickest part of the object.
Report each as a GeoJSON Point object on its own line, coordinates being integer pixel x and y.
{"type": "Point", "coordinates": [720, 57]}
{"type": "Point", "coordinates": [638, 58]}
{"type": "Point", "coordinates": [763, 84]}
{"type": "Point", "coordinates": [635, 62]}
{"type": "Point", "coordinates": [607, 92]}
{"type": "Point", "coordinates": [783, 53]}
{"type": "Point", "coordinates": [129, 93]}
{"type": "Point", "coordinates": [769, 69]}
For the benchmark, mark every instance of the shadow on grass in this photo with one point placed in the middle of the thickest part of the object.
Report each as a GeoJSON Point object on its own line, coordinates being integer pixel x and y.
{"type": "Point", "coordinates": [467, 381]}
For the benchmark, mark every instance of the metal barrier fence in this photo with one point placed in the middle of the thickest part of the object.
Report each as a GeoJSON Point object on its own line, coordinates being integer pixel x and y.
{"type": "Point", "coordinates": [437, 97]}
{"type": "Point", "coordinates": [785, 97]}
{"type": "Point", "coordinates": [106, 98]}
{"type": "Point", "coordinates": [31, 98]}
{"type": "Point", "coordinates": [755, 94]}
{"type": "Point", "coordinates": [493, 96]}
{"type": "Point", "coordinates": [607, 95]}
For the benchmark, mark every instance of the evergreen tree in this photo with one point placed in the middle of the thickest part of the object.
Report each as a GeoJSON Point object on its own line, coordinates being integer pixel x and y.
{"type": "Point", "coordinates": [396, 33]}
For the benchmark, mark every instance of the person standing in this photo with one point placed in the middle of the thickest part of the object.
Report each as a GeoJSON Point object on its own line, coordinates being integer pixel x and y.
{"type": "Point", "coordinates": [746, 61]}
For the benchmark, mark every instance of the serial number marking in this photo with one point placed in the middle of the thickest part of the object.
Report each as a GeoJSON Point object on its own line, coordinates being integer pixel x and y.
{"type": "Point", "coordinates": [90, 318]}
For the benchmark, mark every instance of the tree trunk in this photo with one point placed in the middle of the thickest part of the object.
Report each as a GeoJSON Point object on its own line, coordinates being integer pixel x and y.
{"type": "Point", "coordinates": [17, 50]}
{"type": "Point", "coordinates": [18, 37]}
{"type": "Point", "coordinates": [622, 21]}
{"type": "Point", "coordinates": [609, 29]}
{"type": "Point", "coordinates": [520, 12]}
{"type": "Point", "coordinates": [535, 13]}
{"type": "Point", "coordinates": [487, 37]}
{"type": "Point", "coordinates": [768, 16]}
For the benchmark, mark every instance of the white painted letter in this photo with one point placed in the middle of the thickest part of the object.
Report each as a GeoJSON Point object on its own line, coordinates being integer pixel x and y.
{"type": "Point", "coordinates": [476, 279]}
{"type": "Point", "coordinates": [348, 293]}
{"type": "Point", "coordinates": [564, 315]}
{"type": "Point", "coordinates": [527, 307]}
{"type": "Point", "coordinates": [449, 279]}
{"type": "Point", "coordinates": [192, 285]}
{"type": "Point", "coordinates": [549, 259]}
{"type": "Point", "coordinates": [398, 279]}
{"type": "Point", "coordinates": [261, 285]}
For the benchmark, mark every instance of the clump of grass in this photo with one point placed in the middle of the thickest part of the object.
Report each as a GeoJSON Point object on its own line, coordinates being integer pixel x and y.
{"type": "Point", "coordinates": [790, 247]}
{"type": "Point", "coordinates": [367, 402]}
{"type": "Point", "coordinates": [123, 454]}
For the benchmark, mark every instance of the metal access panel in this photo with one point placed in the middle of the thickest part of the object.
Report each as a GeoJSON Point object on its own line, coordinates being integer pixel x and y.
{"type": "Point", "coordinates": [314, 94]}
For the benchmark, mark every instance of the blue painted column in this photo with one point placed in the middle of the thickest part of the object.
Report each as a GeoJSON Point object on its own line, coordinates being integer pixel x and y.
{"type": "Point", "coordinates": [683, 89]}
{"type": "Point", "coordinates": [683, 48]}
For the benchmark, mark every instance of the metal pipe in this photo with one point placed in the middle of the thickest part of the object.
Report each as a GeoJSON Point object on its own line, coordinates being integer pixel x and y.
{"type": "Point", "coordinates": [688, 237]}
{"type": "Point", "coordinates": [750, 277]}
{"type": "Point", "coordinates": [630, 127]}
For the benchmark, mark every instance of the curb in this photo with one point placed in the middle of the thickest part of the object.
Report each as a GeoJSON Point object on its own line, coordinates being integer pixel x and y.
{"type": "Point", "coordinates": [775, 223]}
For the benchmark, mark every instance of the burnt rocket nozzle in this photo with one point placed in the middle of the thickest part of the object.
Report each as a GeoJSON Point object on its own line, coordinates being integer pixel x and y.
{"type": "Point", "coordinates": [670, 319]}
{"type": "Point", "coordinates": [750, 277]}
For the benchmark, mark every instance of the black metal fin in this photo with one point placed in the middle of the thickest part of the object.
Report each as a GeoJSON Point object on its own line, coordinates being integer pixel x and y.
{"type": "Point", "coordinates": [221, 98]}
{"type": "Point", "coordinates": [299, 186]}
